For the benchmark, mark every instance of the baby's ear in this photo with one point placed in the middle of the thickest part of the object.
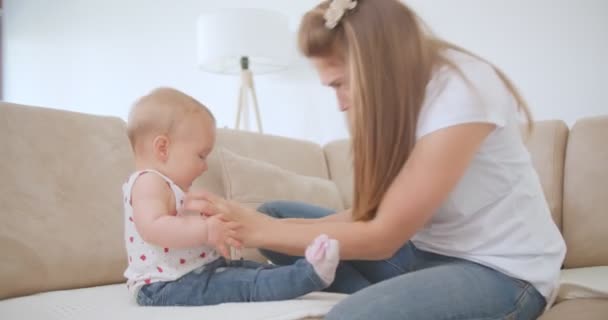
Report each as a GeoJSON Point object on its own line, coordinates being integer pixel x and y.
{"type": "Point", "coordinates": [160, 147]}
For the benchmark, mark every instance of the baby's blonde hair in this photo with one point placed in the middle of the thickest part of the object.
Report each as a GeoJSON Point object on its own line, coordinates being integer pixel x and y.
{"type": "Point", "coordinates": [160, 112]}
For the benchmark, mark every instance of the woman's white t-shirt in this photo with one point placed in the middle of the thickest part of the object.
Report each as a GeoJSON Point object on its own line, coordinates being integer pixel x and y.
{"type": "Point", "coordinates": [497, 214]}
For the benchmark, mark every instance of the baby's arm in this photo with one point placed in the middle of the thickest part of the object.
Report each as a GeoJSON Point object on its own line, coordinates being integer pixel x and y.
{"type": "Point", "coordinates": [151, 199]}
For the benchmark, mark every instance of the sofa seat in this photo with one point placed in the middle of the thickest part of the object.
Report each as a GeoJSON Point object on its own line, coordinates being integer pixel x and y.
{"type": "Point", "coordinates": [584, 309]}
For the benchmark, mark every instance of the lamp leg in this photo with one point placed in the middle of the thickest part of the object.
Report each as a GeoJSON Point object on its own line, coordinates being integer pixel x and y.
{"type": "Point", "coordinates": [243, 110]}
{"type": "Point", "coordinates": [256, 109]}
{"type": "Point", "coordinates": [240, 105]}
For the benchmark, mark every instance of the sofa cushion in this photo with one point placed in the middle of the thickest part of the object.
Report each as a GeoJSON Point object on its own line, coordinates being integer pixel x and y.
{"type": "Point", "coordinates": [62, 211]}
{"type": "Point", "coordinates": [114, 302]}
{"type": "Point", "coordinates": [547, 147]}
{"type": "Point", "coordinates": [585, 214]}
{"type": "Point", "coordinates": [340, 165]}
{"type": "Point", "coordinates": [301, 157]}
{"type": "Point", "coordinates": [578, 283]}
{"type": "Point", "coordinates": [252, 182]}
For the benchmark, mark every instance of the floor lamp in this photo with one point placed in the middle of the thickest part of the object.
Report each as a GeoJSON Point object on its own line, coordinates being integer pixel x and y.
{"type": "Point", "coordinates": [244, 42]}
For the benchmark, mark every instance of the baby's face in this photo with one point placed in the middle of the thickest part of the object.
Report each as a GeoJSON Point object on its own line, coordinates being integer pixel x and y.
{"type": "Point", "coordinates": [189, 150]}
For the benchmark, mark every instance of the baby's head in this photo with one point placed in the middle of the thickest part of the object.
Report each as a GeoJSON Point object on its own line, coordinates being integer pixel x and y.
{"type": "Point", "coordinates": [172, 133]}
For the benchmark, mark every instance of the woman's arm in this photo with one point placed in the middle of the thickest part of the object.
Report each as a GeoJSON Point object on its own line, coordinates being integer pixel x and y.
{"type": "Point", "coordinates": [342, 216]}
{"type": "Point", "coordinates": [434, 167]}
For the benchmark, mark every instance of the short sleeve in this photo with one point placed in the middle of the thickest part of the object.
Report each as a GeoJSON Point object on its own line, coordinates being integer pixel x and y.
{"type": "Point", "coordinates": [477, 95]}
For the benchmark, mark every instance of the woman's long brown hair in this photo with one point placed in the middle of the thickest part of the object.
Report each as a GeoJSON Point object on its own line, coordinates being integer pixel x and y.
{"type": "Point", "coordinates": [390, 56]}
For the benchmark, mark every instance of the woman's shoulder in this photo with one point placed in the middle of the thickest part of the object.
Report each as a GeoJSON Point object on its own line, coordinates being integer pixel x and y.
{"type": "Point", "coordinates": [466, 90]}
{"type": "Point", "coordinates": [467, 76]}
{"type": "Point", "coordinates": [465, 67]}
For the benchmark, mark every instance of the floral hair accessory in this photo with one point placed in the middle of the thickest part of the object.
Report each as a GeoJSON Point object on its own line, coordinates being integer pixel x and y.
{"type": "Point", "coordinates": [336, 11]}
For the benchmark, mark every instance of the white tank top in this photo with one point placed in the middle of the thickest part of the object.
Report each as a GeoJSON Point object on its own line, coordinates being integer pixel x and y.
{"type": "Point", "coordinates": [149, 263]}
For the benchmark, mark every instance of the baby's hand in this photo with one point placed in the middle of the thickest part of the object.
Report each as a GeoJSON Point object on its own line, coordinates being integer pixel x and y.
{"type": "Point", "coordinates": [217, 235]}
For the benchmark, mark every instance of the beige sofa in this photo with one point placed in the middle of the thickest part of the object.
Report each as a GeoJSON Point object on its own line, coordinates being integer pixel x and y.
{"type": "Point", "coordinates": [60, 203]}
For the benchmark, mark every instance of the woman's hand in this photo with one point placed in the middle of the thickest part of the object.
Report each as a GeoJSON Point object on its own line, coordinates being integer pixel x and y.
{"type": "Point", "coordinates": [218, 234]}
{"type": "Point", "coordinates": [247, 226]}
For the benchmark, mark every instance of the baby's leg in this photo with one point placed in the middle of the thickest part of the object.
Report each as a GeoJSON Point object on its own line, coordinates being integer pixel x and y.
{"type": "Point", "coordinates": [219, 282]}
{"type": "Point", "coordinates": [244, 281]}
{"type": "Point", "coordinates": [251, 281]}
{"type": "Point", "coordinates": [314, 273]}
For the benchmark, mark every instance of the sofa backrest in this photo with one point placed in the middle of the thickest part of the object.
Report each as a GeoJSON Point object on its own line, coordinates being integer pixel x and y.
{"type": "Point", "coordinates": [60, 199]}
{"type": "Point", "coordinates": [572, 166]}
{"type": "Point", "coordinates": [585, 216]}
{"type": "Point", "coordinates": [62, 172]}
{"type": "Point", "coordinates": [340, 166]}
{"type": "Point", "coordinates": [298, 156]}
{"type": "Point", "coordinates": [546, 143]}
{"type": "Point", "coordinates": [547, 146]}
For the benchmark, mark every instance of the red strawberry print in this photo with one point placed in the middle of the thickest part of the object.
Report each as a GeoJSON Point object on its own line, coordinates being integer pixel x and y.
{"type": "Point", "coordinates": [203, 255]}
{"type": "Point", "coordinates": [182, 261]}
{"type": "Point", "coordinates": [143, 257]}
{"type": "Point", "coordinates": [147, 281]}
{"type": "Point", "coordinates": [166, 250]}
{"type": "Point", "coordinates": [131, 239]}
{"type": "Point", "coordinates": [159, 269]}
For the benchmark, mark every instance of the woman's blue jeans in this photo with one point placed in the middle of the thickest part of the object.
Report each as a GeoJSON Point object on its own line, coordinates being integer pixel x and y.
{"type": "Point", "coordinates": [419, 285]}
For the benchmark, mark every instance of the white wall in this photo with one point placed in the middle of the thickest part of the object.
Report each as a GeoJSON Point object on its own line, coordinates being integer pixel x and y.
{"type": "Point", "coordinates": [98, 56]}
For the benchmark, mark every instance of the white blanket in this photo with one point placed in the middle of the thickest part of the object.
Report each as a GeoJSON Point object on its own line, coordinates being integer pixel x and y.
{"type": "Point", "coordinates": [114, 303]}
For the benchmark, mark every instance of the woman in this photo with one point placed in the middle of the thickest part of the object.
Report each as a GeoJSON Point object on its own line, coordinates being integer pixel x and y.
{"type": "Point", "coordinates": [447, 207]}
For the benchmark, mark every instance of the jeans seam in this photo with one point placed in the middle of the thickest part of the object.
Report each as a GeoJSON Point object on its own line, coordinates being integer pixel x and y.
{"type": "Point", "coordinates": [399, 269]}
{"type": "Point", "coordinates": [523, 296]}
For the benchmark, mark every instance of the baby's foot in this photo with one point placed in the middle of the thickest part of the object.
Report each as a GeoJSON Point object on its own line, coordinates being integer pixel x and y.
{"type": "Point", "coordinates": [324, 255]}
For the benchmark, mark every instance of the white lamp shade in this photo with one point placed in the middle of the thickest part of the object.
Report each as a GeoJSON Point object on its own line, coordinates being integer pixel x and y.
{"type": "Point", "coordinates": [226, 35]}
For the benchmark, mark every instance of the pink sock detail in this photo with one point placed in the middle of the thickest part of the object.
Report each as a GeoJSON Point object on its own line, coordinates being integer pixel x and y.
{"type": "Point", "coordinates": [324, 255]}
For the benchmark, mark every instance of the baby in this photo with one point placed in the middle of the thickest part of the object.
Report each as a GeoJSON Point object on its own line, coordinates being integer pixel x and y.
{"type": "Point", "coordinates": [173, 255]}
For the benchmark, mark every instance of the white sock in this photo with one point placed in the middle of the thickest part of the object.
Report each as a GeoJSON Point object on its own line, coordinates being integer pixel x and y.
{"type": "Point", "coordinates": [324, 255]}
